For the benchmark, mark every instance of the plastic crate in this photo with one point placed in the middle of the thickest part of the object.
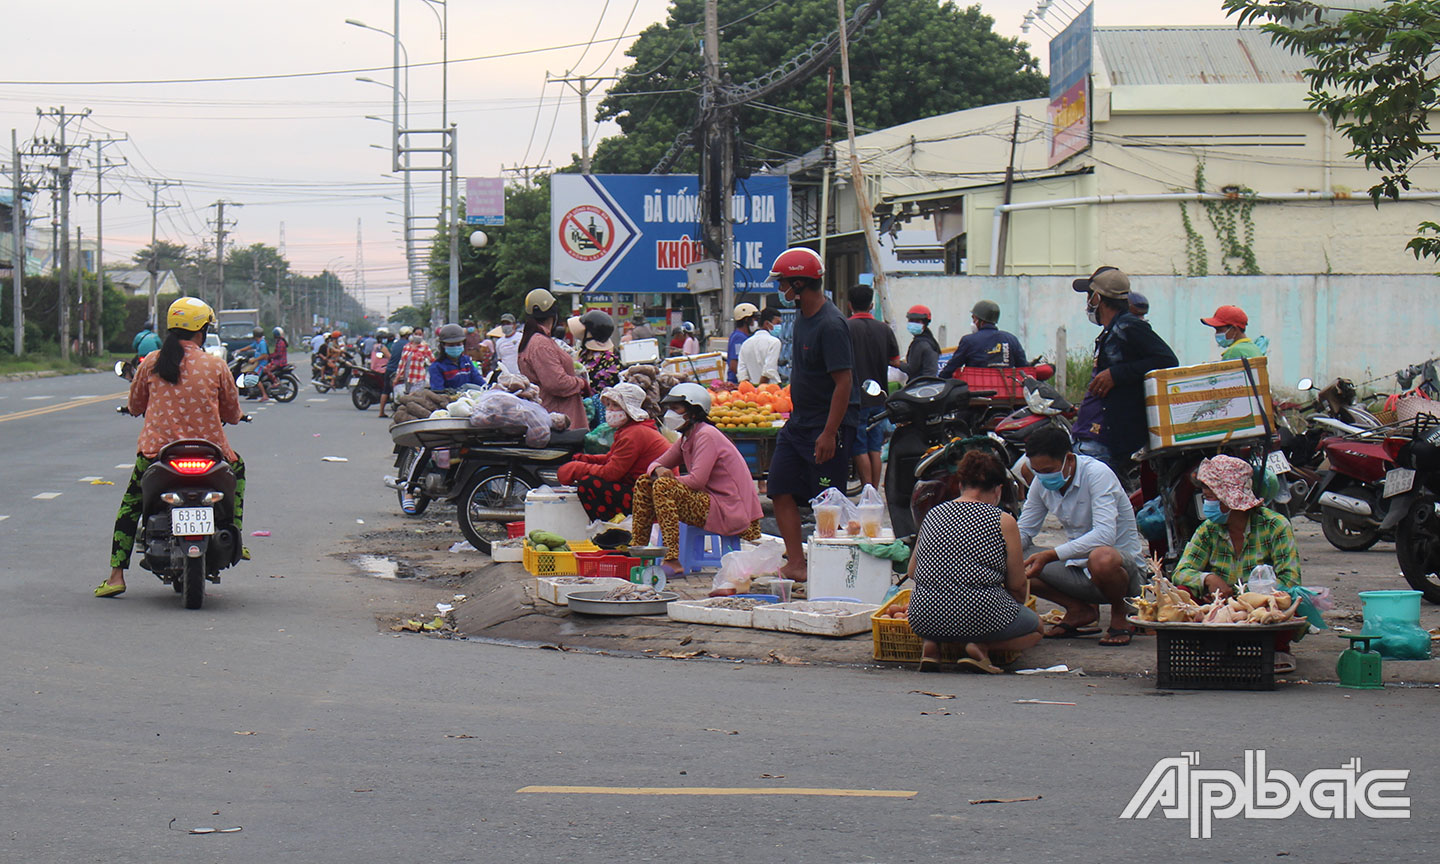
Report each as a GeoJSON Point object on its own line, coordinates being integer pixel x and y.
{"type": "Point", "coordinates": [607, 565]}
{"type": "Point", "coordinates": [1008, 384]}
{"type": "Point", "coordinates": [895, 641]}
{"type": "Point", "coordinates": [560, 563]}
{"type": "Point", "coordinates": [515, 529]}
{"type": "Point", "coordinates": [756, 449]}
{"type": "Point", "coordinates": [1218, 659]}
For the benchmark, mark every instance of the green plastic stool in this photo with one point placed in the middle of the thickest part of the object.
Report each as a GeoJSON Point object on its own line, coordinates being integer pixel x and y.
{"type": "Point", "coordinates": [1359, 666]}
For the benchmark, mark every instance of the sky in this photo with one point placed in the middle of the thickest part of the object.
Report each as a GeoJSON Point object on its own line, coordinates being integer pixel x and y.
{"type": "Point", "coordinates": [299, 151]}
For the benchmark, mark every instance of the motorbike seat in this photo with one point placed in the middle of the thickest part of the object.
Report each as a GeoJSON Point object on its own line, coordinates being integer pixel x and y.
{"type": "Point", "coordinates": [570, 439]}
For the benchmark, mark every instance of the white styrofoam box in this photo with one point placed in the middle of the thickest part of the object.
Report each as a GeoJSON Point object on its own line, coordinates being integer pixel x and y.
{"type": "Point", "coordinates": [551, 590]}
{"type": "Point", "coordinates": [508, 551]}
{"type": "Point", "coordinates": [795, 617]}
{"type": "Point", "coordinates": [556, 509]}
{"type": "Point", "coordinates": [837, 568]}
{"type": "Point", "coordinates": [640, 351]}
{"type": "Point", "coordinates": [1209, 403]}
{"type": "Point", "coordinates": [705, 612]}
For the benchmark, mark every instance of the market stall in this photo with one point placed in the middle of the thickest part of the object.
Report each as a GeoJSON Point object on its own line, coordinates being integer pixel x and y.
{"type": "Point", "coordinates": [751, 417]}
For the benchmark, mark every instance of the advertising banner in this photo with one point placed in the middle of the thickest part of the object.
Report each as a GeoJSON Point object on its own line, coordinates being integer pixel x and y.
{"type": "Point", "coordinates": [485, 201]}
{"type": "Point", "coordinates": [1070, 64]}
{"type": "Point", "coordinates": [636, 233]}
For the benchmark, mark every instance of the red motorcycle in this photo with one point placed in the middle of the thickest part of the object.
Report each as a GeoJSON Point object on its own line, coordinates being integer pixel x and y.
{"type": "Point", "coordinates": [1349, 499]}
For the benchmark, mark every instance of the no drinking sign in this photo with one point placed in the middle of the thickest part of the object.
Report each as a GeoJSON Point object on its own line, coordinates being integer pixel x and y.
{"type": "Point", "coordinates": [635, 233]}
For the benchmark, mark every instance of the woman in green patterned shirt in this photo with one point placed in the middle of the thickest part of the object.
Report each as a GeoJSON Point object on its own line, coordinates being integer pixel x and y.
{"type": "Point", "coordinates": [1238, 535]}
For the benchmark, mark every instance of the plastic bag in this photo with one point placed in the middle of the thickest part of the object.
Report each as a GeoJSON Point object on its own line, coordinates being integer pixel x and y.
{"type": "Point", "coordinates": [497, 409]}
{"type": "Point", "coordinates": [1150, 519]}
{"type": "Point", "coordinates": [1312, 602]}
{"type": "Point", "coordinates": [1262, 580]}
{"type": "Point", "coordinates": [834, 511]}
{"type": "Point", "coordinates": [738, 568]}
{"type": "Point", "coordinates": [871, 512]}
{"type": "Point", "coordinates": [600, 439]}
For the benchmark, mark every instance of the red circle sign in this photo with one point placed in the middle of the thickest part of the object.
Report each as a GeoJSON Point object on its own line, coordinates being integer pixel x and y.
{"type": "Point", "coordinates": [586, 233]}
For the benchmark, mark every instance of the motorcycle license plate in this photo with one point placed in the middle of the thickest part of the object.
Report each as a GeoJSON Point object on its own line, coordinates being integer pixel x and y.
{"type": "Point", "coordinates": [1398, 481]}
{"type": "Point", "coordinates": [1277, 463]}
{"type": "Point", "coordinates": [192, 521]}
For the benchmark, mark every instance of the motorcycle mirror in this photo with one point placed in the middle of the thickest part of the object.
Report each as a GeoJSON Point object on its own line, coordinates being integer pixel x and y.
{"type": "Point", "coordinates": [120, 368]}
{"type": "Point", "coordinates": [872, 387]}
{"type": "Point", "coordinates": [1305, 384]}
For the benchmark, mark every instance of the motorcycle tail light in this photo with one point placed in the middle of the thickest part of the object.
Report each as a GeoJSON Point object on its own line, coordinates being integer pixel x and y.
{"type": "Point", "coordinates": [171, 498]}
{"type": "Point", "coordinates": [212, 498]}
{"type": "Point", "coordinates": [1393, 446]}
{"type": "Point", "coordinates": [192, 466]}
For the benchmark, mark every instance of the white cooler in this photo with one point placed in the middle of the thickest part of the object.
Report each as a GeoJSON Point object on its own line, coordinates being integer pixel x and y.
{"type": "Point", "coordinates": [837, 568]}
{"type": "Point", "coordinates": [556, 509]}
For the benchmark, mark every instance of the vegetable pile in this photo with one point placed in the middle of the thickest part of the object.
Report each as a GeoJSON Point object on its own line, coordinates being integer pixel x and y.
{"type": "Point", "coordinates": [548, 541]}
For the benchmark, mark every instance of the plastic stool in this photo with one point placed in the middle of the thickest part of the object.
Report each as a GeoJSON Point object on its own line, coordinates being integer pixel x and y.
{"type": "Point", "coordinates": [699, 548]}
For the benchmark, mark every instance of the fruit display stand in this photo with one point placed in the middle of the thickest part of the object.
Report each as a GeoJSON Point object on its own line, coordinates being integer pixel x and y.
{"type": "Point", "coordinates": [751, 417]}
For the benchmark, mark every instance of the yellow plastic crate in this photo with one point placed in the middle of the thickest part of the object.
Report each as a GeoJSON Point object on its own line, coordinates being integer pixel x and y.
{"type": "Point", "coordinates": [896, 642]}
{"type": "Point", "coordinates": [560, 563]}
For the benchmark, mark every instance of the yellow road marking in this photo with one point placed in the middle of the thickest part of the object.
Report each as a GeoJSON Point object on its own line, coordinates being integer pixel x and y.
{"type": "Point", "coordinates": [715, 790]}
{"type": "Point", "coordinates": [62, 406]}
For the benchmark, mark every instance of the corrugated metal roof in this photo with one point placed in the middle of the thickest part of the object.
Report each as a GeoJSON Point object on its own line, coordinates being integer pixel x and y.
{"type": "Point", "coordinates": [1195, 55]}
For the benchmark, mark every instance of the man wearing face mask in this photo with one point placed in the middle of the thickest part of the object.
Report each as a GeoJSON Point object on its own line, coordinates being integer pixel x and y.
{"type": "Point", "coordinates": [1111, 424]}
{"type": "Point", "coordinates": [759, 361]}
{"type": "Point", "coordinates": [507, 344]}
{"type": "Point", "coordinates": [814, 446]}
{"type": "Point", "coordinates": [922, 358]}
{"type": "Point", "coordinates": [986, 345]}
{"type": "Point", "coordinates": [1230, 323]}
{"type": "Point", "coordinates": [1102, 561]}
{"type": "Point", "coordinates": [453, 370]}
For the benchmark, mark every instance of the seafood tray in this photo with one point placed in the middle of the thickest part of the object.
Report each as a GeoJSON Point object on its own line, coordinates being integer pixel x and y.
{"type": "Point", "coordinates": [594, 603]}
{"type": "Point", "coordinates": [719, 611]}
{"type": "Point", "coordinates": [557, 589]}
{"type": "Point", "coordinates": [815, 617]}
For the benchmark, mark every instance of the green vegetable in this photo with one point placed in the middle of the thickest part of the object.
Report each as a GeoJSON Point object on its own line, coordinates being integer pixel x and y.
{"type": "Point", "coordinates": [548, 538]}
{"type": "Point", "coordinates": [541, 547]}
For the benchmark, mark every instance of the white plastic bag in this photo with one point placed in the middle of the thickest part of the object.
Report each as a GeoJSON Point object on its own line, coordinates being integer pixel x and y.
{"type": "Point", "coordinates": [497, 409]}
{"type": "Point", "coordinates": [738, 568]}
{"type": "Point", "coordinates": [833, 512]}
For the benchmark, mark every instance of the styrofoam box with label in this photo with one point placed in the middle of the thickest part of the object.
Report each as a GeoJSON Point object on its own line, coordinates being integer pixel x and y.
{"type": "Point", "coordinates": [1209, 403]}
{"type": "Point", "coordinates": [707, 612]}
{"type": "Point", "coordinates": [837, 568]}
{"type": "Point", "coordinates": [553, 589]}
{"type": "Point", "coordinates": [639, 351]}
{"type": "Point", "coordinates": [556, 509]}
{"type": "Point", "coordinates": [816, 618]}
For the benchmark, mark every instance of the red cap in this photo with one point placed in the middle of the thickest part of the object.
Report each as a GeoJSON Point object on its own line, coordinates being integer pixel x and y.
{"type": "Point", "coordinates": [1227, 316]}
{"type": "Point", "coordinates": [919, 312]}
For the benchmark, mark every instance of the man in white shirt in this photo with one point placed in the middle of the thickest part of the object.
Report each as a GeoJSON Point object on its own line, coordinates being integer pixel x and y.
{"type": "Point", "coordinates": [507, 344]}
{"type": "Point", "coordinates": [759, 361]}
{"type": "Point", "coordinates": [1103, 560]}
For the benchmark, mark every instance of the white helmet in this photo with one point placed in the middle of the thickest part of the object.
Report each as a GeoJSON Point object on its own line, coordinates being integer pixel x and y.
{"type": "Point", "coordinates": [689, 394]}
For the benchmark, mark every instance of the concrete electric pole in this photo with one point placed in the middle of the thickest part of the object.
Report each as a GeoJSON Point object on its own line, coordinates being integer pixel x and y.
{"type": "Point", "coordinates": [101, 166]}
{"type": "Point", "coordinates": [154, 265]}
{"type": "Point", "coordinates": [222, 229]}
{"type": "Point", "coordinates": [58, 146]}
{"type": "Point", "coordinates": [17, 235]}
{"type": "Point", "coordinates": [584, 86]}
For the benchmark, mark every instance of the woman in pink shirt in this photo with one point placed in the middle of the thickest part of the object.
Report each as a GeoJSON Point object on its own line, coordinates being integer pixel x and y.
{"type": "Point", "coordinates": [549, 366]}
{"type": "Point", "coordinates": [716, 491]}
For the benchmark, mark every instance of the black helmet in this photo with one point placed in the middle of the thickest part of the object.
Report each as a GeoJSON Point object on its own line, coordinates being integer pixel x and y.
{"type": "Point", "coordinates": [599, 326]}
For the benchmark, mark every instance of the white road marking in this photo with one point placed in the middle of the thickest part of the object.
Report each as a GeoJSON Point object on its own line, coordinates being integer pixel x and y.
{"type": "Point", "coordinates": [33, 398]}
{"type": "Point", "coordinates": [311, 399]}
{"type": "Point", "coordinates": [91, 396]}
{"type": "Point", "coordinates": [88, 479]}
{"type": "Point", "coordinates": [47, 496]}
{"type": "Point", "coordinates": [3, 518]}
{"type": "Point", "coordinates": [126, 465]}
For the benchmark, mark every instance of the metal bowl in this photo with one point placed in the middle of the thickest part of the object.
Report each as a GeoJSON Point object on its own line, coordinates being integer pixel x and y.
{"type": "Point", "coordinates": [590, 603]}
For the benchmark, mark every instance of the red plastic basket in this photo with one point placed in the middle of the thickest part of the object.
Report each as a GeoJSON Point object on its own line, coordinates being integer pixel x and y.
{"type": "Point", "coordinates": [1007, 383]}
{"type": "Point", "coordinates": [515, 529]}
{"type": "Point", "coordinates": [603, 565]}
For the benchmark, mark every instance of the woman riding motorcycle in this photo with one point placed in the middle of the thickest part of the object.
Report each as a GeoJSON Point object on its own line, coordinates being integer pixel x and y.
{"type": "Point", "coordinates": [544, 362]}
{"type": "Point", "coordinates": [183, 393]}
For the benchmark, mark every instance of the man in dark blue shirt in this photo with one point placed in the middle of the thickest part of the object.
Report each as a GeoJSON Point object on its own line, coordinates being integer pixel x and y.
{"type": "Point", "coordinates": [813, 448]}
{"type": "Point", "coordinates": [746, 315]}
{"type": "Point", "coordinates": [453, 370]}
{"type": "Point", "coordinates": [986, 345]}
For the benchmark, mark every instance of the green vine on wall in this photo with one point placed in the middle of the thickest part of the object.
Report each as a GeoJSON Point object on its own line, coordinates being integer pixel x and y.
{"type": "Point", "coordinates": [1233, 222]}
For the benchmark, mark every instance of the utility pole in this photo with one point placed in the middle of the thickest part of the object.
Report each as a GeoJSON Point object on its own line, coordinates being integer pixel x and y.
{"type": "Point", "coordinates": [454, 226]}
{"type": "Point", "coordinates": [719, 147]}
{"type": "Point", "coordinates": [59, 147]}
{"type": "Point", "coordinates": [154, 266]}
{"type": "Point", "coordinates": [221, 230]}
{"type": "Point", "coordinates": [585, 86]}
{"type": "Point", "coordinates": [17, 235]}
{"type": "Point", "coordinates": [999, 264]}
{"type": "Point", "coordinates": [101, 166]}
{"type": "Point", "coordinates": [857, 176]}
{"type": "Point", "coordinates": [525, 171]}
{"type": "Point", "coordinates": [80, 292]}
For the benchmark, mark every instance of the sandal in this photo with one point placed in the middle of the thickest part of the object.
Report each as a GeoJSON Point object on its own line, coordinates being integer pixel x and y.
{"type": "Point", "coordinates": [970, 664]}
{"type": "Point", "coordinates": [929, 664]}
{"type": "Point", "coordinates": [1071, 631]}
{"type": "Point", "coordinates": [1284, 662]}
{"type": "Point", "coordinates": [108, 590]}
{"type": "Point", "coordinates": [1116, 637]}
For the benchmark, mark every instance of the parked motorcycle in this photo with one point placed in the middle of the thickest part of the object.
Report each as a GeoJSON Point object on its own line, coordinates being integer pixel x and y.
{"type": "Point", "coordinates": [1349, 497]}
{"type": "Point", "coordinates": [1412, 492]}
{"type": "Point", "coordinates": [186, 532]}
{"type": "Point", "coordinates": [368, 387]}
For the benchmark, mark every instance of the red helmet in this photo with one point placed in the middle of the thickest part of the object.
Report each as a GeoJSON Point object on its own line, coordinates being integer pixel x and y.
{"type": "Point", "coordinates": [917, 312]}
{"type": "Point", "coordinates": [798, 262]}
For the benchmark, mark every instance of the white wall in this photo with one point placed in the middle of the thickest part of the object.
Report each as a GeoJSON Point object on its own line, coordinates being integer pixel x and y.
{"type": "Point", "coordinates": [1318, 326]}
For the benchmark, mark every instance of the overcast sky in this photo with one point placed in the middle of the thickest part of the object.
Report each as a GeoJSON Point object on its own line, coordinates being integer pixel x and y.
{"type": "Point", "coordinates": [296, 150]}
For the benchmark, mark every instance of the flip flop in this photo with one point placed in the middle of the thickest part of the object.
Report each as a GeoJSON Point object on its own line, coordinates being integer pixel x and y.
{"type": "Point", "coordinates": [108, 590]}
{"type": "Point", "coordinates": [1070, 631]}
{"type": "Point", "coordinates": [970, 664]}
{"type": "Point", "coordinates": [1115, 635]}
{"type": "Point", "coordinates": [929, 664]}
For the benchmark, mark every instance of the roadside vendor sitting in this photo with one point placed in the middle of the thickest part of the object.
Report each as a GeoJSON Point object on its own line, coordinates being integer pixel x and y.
{"type": "Point", "coordinates": [453, 370]}
{"type": "Point", "coordinates": [715, 493]}
{"type": "Point", "coordinates": [1238, 535]}
{"type": "Point", "coordinates": [604, 481]}
{"type": "Point", "coordinates": [969, 577]}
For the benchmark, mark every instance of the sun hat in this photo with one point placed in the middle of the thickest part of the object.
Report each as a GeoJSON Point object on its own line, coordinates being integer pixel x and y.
{"type": "Point", "coordinates": [1232, 481]}
{"type": "Point", "coordinates": [629, 397]}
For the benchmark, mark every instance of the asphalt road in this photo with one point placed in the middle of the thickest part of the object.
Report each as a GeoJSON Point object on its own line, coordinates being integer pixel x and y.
{"type": "Point", "coordinates": [286, 708]}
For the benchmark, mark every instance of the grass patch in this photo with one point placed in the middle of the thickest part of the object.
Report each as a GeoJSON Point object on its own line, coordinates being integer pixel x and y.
{"type": "Point", "coordinates": [1078, 368]}
{"type": "Point", "coordinates": [10, 364]}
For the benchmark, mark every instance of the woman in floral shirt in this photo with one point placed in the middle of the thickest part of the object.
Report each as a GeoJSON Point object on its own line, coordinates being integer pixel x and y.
{"type": "Point", "coordinates": [592, 332]}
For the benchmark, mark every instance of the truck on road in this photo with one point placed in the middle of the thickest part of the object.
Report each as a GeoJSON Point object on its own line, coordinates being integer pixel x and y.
{"type": "Point", "coordinates": [236, 325]}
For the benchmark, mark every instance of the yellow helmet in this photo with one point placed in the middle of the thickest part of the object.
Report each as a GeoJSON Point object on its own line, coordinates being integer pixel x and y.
{"type": "Point", "coordinates": [189, 313]}
{"type": "Point", "coordinates": [746, 310]}
{"type": "Point", "coordinates": [539, 303]}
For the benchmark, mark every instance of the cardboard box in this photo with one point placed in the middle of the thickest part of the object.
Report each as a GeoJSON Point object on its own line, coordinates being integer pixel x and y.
{"type": "Point", "coordinates": [702, 368]}
{"type": "Point", "coordinates": [1207, 404]}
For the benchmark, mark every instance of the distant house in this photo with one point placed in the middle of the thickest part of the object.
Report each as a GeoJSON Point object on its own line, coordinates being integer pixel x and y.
{"type": "Point", "coordinates": [136, 283]}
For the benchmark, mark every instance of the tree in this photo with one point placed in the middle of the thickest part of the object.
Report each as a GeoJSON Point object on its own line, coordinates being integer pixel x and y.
{"type": "Point", "coordinates": [1372, 78]}
{"type": "Point", "coordinates": [494, 279]}
{"type": "Point", "coordinates": [243, 264]}
{"type": "Point", "coordinates": [921, 58]}
{"type": "Point", "coordinates": [411, 316]}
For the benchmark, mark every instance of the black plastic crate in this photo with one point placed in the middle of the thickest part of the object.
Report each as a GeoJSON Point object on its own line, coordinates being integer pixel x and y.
{"type": "Point", "coordinates": [1215, 660]}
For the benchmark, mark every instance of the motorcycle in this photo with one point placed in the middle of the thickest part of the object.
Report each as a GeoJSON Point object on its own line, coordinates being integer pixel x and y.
{"type": "Point", "coordinates": [485, 473]}
{"type": "Point", "coordinates": [368, 388]}
{"type": "Point", "coordinates": [338, 380]}
{"type": "Point", "coordinates": [126, 368]}
{"type": "Point", "coordinates": [1349, 497]}
{"type": "Point", "coordinates": [280, 384]}
{"type": "Point", "coordinates": [1044, 407]}
{"type": "Point", "coordinates": [1412, 490]}
{"type": "Point", "coordinates": [186, 531]}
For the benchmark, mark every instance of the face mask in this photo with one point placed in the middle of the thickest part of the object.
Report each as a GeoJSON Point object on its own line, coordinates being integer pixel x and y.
{"type": "Point", "coordinates": [615, 419]}
{"type": "Point", "coordinates": [416, 338]}
{"type": "Point", "coordinates": [1213, 511]}
{"type": "Point", "coordinates": [974, 328]}
{"type": "Point", "coordinates": [674, 422]}
{"type": "Point", "coordinates": [469, 329]}
{"type": "Point", "coordinates": [1223, 341]}
{"type": "Point", "coordinates": [1054, 481]}
{"type": "Point", "coordinates": [785, 300]}
{"type": "Point", "coordinates": [507, 329]}
{"type": "Point", "coordinates": [1092, 313]}
{"type": "Point", "coordinates": [454, 350]}
{"type": "Point", "coordinates": [915, 328]}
